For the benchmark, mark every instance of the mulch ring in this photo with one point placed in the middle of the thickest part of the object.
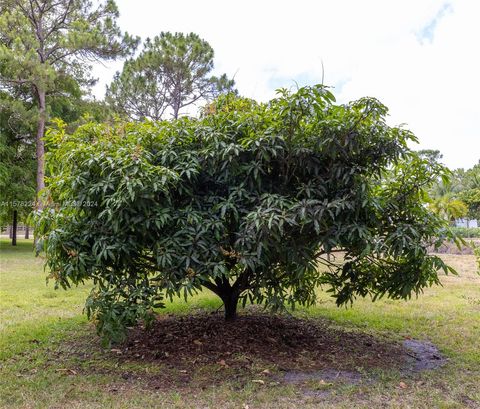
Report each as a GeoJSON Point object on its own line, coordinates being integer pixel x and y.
{"type": "Point", "coordinates": [272, 347]}
{"type": "Point", "coordinates": [283, 341]}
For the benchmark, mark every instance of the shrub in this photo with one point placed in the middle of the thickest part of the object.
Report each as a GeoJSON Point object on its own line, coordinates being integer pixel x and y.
{"type": "Point", "coordinates": [467, 232]}
{"type": "Point", "coordinates": [249, 200]}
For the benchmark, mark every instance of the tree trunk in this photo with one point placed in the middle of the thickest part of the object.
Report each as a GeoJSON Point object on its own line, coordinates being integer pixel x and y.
{"type": "Point", "coordinates": [27, 232]}
{"type": "Point", "coordinates": [230, 302]}
{"type": "Point", "coordinates": [14, 228]}
{"type": "Point", "coordinates": [177, 99]}
{"type": "Point", "coordinates": [41, 144]}
{"type": "Point", "coordinates": [229, 294]}
{"type": "Point", "coordinates": [176, 110]}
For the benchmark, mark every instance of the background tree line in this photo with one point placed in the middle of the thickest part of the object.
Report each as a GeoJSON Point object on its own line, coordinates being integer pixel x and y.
{"type": "Point", "coordinates": [459, 196]}
{"type": "Point", "coordinates": [47, 49]}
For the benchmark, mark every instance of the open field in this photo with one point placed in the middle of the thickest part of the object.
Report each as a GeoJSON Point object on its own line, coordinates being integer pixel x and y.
{"type": "Point", "coordinates": [50, 356]}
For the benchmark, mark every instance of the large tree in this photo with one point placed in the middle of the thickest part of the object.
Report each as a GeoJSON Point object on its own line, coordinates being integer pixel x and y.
{"type": "Point", "coordinates": [248, 201]}
{"type": "Point", "coordinates": [172, 73]}
{"type": "Point", "coordinates": [46, 42]}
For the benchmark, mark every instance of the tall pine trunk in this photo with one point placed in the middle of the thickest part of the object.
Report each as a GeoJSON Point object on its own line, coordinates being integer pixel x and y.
{"type": "Point", "coordinates": [40, 145]}
{"type": "Point", "coordinates": [14, 228]}
{"type": "Point", "coordinates": [42, 117]}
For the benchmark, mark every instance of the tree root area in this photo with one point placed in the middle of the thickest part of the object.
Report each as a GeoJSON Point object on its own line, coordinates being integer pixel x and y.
{"type": "Point", "coordinates": [277, 341]}
{"type": "Point", "coordinates": [203, 350]}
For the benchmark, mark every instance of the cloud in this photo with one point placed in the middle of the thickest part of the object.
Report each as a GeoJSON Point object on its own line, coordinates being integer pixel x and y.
{"type": "Point", "coordinates": [428, 31]}
{"type": "Point", "coordinates": [419, 58]}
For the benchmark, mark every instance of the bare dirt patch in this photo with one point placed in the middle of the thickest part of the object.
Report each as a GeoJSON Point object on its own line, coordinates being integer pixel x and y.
{"type": "Point", "coordinates": [424, 356]}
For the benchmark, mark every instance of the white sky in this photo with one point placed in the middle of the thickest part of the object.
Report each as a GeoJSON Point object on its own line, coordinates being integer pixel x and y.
{"type": "Point", "coordinates": [420, 58]}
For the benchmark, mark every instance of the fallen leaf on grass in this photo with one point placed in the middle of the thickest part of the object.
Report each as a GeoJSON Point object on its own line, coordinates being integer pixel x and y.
{"type": "Point", "coordinates": [402, 385]}
{"type": "Point", "coordinates": [260, 381]}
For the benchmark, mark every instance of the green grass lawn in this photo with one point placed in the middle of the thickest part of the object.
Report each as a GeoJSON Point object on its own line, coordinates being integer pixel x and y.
{"type": "Point", "coordinates": [50, 356]}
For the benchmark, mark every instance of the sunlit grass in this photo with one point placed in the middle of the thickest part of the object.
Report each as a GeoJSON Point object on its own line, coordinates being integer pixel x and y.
{"type": "Point", "coordinates": [43, 333]}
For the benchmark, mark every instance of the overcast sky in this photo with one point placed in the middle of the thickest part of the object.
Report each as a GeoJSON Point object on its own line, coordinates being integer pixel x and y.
{"type": "Point", "coordinates": [420, 58]}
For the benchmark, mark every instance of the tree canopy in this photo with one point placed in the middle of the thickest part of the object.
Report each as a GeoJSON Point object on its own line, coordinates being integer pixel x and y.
{"type": "Point", "coordinates": [258, 203]}
{"type": "Point", "coordinates": [172, 72]}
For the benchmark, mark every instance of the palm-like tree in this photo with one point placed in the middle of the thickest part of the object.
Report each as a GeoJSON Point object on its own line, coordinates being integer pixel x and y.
{"type": "Point", "coordinates": [449, 208]}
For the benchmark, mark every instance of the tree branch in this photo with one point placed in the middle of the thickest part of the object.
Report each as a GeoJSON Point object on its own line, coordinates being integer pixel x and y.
{"type": "Point", "coordinates": [212, 287]}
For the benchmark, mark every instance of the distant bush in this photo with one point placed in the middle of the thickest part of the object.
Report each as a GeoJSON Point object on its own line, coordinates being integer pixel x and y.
{"type": "Point", "coordinates": [468, 232]}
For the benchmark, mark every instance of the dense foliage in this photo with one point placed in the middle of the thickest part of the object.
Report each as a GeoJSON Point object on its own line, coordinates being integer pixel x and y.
{"type": "Point", "coordinates": [17, 161]}
{"type": "Point", "coordinates": [256, 202]}
{"type": "Point", "coordinates": [471, 198]}
{"type": "Point", "coordinates": [18, 117]}
{"type": "Point", "coordinates": [459, 197]}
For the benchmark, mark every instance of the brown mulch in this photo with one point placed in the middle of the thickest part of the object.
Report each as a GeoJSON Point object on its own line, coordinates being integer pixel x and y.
{"type": "Point", "coordinates": [276, 341]}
